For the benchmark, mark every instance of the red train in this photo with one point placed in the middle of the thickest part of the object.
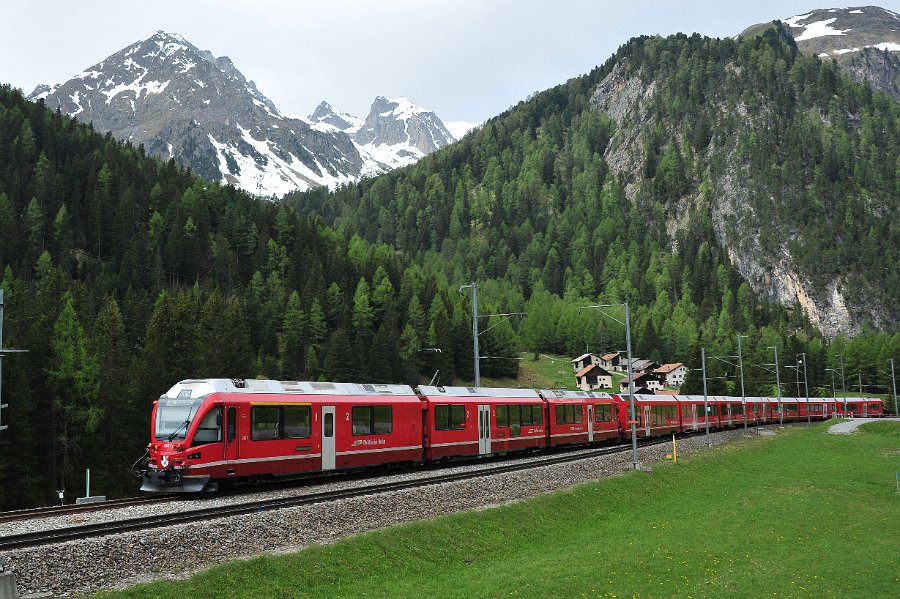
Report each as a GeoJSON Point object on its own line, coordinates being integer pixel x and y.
{"type": "Point", "coordinates": [208, 432]}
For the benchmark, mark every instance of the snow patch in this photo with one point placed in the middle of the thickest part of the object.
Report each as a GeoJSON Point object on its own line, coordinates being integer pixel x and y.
{"type": "Point", "coordinates": [855, 12]}
{"type": "Point", "coordinates": [819, 29]}
{"type": "Point", "coordinates": [889, 46]}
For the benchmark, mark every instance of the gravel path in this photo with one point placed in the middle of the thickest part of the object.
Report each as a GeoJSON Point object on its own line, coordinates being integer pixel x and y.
{"type": "Point", "coordinates": [848, 427]}
{"type": "Point", "coordinates": [119, 561]}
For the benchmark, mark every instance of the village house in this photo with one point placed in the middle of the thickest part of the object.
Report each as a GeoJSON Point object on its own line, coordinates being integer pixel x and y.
{"type": "Point", "coordinates": [593, 377]}
{"type": "Point", "coordinates": [584, 360]}
{"type": "Point", "coordinates": [674, 373]}
{"type": "Point", "coordinates": [613, 362]}
{"type": "Point", "coordinates": [648, 382]}
{"type": "Point", "coordinates": [640, 366]}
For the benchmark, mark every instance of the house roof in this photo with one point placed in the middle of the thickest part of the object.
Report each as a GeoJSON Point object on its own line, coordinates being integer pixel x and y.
{"type": "Point", "coordinates": [667, 368]}
{"type": "Point", "coordinates": [637, 379]}
{"type": "Point", "coordinates": [587, 370]}
{"type": "Point", "coordinates": [641, 364]}
{"type": "Point", "coordinates": [610, 356]}
{"type": "Point", "coordinates": [582, 357]}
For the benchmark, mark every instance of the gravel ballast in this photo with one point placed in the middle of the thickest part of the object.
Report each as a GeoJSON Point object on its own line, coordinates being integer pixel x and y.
{"type": "Point", "coordinates": [118, 561]}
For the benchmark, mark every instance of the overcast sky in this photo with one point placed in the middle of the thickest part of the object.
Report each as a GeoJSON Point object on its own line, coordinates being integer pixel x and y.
{"type": "Point", "coordinates": [465, 59]}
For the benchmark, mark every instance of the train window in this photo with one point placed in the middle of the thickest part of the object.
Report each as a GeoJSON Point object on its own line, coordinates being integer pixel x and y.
{"type": "Point", "coordinates": [790, 407]}
{"type": "Point", "coordinates": [210, 428]}
{"type": "Point", "coordinates": [372, 420]}
{"type": "Point", "coordinates": [265, 422]}
{"type": "Point", "coordinates": [569, 414]}
{"type": "Point", "coordinates": [384, 420]}
{"type": "Point", "coordinates": [686, 411]}
{"type": "Point", "coordinates": [537, 414]}
{"type": "Point", "coordinates": [503, 416]}
{"type": "Point", "coordinates": [603, 412]}
{"type": "Point", "coordinates": [232, 424]}
{"type": "Point", "coordinates": [737, 409]}
{"type": "Point", "coordinates": [515, 416]}
{"type": "Point", "coordinates": [297, 422]}
{"type": "Point", "coordinates": [458, 417]}
{"type": "Point", "coordinates": [449, 417]}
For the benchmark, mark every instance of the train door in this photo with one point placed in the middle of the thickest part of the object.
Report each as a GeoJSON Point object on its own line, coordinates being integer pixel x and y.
{"type": "Point", "coordinates": [484, 429]}
{"type": "Point", "coordinates": [694, 424]}
{"type": "Point", "coordinates": [232, 439]}
{"type": "Point", "coordinates": [328, 445]}
{"type": "Point", "coordinates": [590, 422]}
{"type": "Point", "coordinates": [647, 421]}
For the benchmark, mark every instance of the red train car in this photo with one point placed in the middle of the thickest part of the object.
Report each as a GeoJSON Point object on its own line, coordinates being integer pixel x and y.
{"type": "Point", "coordinates": [656, 414]}
{"type": "Point", "coordinates": [219, 429]}
{"type": "Point", "coordinates": [496, 421]}
{"type": "Point", "coordinates": [576, 417]}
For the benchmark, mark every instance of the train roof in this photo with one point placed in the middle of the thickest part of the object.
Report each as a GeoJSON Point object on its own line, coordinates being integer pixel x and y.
{"type": "Point", "coordinates": [202, 387]}
{"type": "Point", "coordinates": [497, 392]}
{"type": "Point", "coordinates": [572, 395]}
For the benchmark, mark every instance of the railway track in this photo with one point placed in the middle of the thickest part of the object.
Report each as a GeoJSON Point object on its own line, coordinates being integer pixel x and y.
{"type": "Point", "coordinates": [66, 510]}
{"type": "Point", "coordinates": [48, 537]}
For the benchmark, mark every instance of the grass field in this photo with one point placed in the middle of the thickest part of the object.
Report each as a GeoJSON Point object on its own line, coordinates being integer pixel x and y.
{"type": "Point", "coordinates": [802, 514]}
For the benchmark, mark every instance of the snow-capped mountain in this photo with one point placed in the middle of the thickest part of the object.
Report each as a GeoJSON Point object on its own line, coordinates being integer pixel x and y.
{"type": "Point", "coordinates": [396, 132]}
{"type": "Point", "coordinates": [864, 40]}
{"type": "Point", "coordinates": [184, 103]}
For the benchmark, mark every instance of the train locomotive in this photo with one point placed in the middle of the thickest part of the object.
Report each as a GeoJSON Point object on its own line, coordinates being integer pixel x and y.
{"type": "Point", "coordinates": [206, 433]}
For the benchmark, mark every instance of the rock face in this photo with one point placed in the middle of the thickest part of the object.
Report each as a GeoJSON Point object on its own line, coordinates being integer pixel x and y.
{"type": "Point", "coordinates": [189, 105]}
{"type": "Point", "coordinates": [769, 271]}
{"type": "Point", "coordinates": [863, 40]}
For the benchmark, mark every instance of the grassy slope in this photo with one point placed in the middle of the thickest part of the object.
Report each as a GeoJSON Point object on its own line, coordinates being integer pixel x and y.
{"type": "Point", "coordinates": [805, 514]}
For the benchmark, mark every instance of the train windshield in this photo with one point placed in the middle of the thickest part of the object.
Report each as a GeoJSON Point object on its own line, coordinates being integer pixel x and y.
{"type": "Point", "coordinates": [173, 417]}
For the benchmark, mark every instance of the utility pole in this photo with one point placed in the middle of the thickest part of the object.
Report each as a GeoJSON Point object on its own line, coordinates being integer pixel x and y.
{"type": "Point", "coordinates": [805, 386]}
{"type": "Point", "coordinates": [705, 406]}
{"type": "Point", "coordinates": [893, 383]}
{"type": "Point", "coordinates": [778, 385]}
{"type": "Point", "coordinates": [474, 288]}
{"type": "Point", "coordinates": [741, 365]}
{"type": "Point", "coordinates": [843, 385]}
{"type": "Point", "coordinates": [627, 324]}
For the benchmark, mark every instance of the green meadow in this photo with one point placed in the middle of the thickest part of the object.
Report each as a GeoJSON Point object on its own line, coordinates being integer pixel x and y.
{"type": "Point", "coordinates": [801, 514]}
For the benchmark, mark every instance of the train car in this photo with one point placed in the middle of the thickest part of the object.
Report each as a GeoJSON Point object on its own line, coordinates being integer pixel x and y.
{"type": "Point", "coordinates": [656, 414]}
{"type": "Point", "coordinates": [828, 407]}
{"type": "Point", "coordinates": [694, 415]}
{"type": "Point", "coordinates": [497, 421]}
{"type": "Point", "coordinates": [790, 406]}
{"type": "Point", "coordinates": [576, 417]}
{"type": "Point", "coordinates": [861, 407]}
{"type": "Point", "coordinates": [731, 411]}
{"type": "Point", "coordinates": [213, 430]}
{"type": "Point", "coordinates": [757, 410]}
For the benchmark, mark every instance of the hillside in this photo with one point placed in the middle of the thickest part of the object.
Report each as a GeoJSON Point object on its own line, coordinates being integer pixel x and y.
{"type": "Point", "coordinates": [705, 181]}
{"type": "Point", "coordinates": [123, 274]}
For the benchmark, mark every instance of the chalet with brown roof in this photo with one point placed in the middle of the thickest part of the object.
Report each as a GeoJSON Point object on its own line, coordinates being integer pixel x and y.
{"type": "Point", "coordinates": [674, 373]}
{"type": "Point", "coordinates": [593, 377]}
{"type": "Point", "coordinates": [613, 362]}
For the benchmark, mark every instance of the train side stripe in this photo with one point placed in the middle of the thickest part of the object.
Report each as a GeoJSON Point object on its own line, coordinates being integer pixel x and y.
{"type": "Point", "coordinates": [383, 450]}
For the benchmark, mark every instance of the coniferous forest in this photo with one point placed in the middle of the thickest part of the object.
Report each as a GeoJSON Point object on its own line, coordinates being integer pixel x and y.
{"type": "Point", "coordinates": [124, 273]}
